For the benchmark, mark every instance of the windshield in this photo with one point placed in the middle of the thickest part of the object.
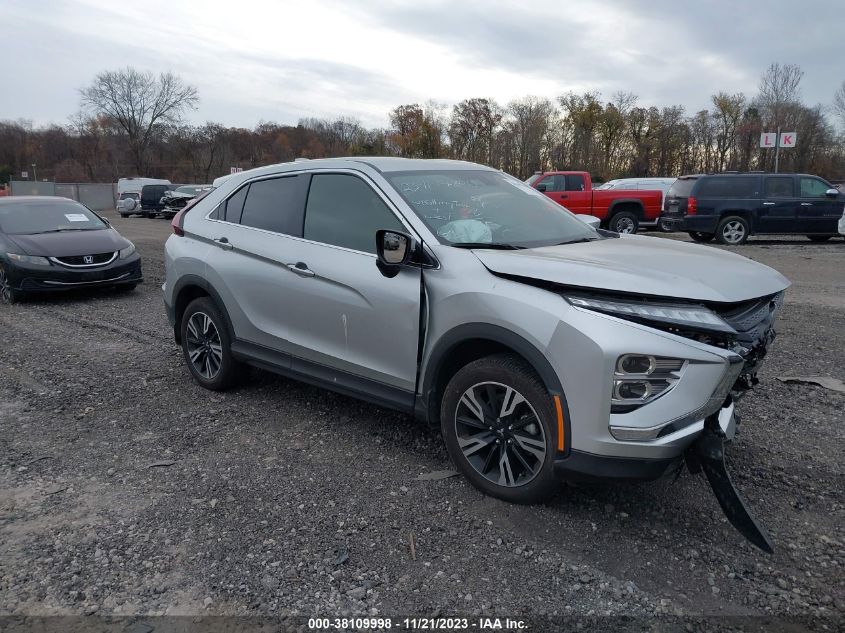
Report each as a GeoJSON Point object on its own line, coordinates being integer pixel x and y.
{"type": "Point", "coordinates": [193, 189]}
{"type": "Point", "coordinates": [30, 217]}
{"type": "Point", "coordinates": [487, 207]}
{"type": "Point", "coordinates": [610, 184]}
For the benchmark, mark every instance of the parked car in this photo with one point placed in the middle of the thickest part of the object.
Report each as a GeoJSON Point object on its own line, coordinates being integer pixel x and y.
{"type": "Point", "coordinates": [542, 347]}
{"type": "Point", "coordinates": [49, 244]}
{"type": "Point", "coordinates": [134, 186]}
{"type": "Point", "coordinates": [842, 223]}
{"type": "Point", "coordinates": [730, 207]}
{"type": "Point", "coordinates": [128, 203]}
{"type": "Point", "coordinates": [642, 184]}
{"type": "Point", "coordinates": [622, 211]}
{"type": "Point", "coordinates": [176, 200]}
{"type": "Point", "coordinates": [151, 199]}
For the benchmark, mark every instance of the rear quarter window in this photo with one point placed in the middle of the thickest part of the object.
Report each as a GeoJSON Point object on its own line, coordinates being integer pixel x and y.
{"type": "Point", "coordinates": [727, 187]}
{"type": "Point", "coordinates": [682, 187]}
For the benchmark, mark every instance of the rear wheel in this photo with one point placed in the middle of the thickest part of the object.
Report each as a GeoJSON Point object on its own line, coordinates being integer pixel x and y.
{"type": "Point", "coordinates": [698, 236]}
{"type": "Point", "coordinates": [207, 346]}
{"type": "Point", "coordinates": [7, 294]}
{"type": "Point", "coordinates": [497, 421]}
{"type": "Point", "coordinates": [733, 231]}
{"type": "Point", "coordinates": [624, 222]}
{"type": "Point", "coordinates": [819, 238]}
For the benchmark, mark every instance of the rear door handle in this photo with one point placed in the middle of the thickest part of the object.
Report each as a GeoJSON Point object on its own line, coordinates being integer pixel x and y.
{"type": "Point", "coordinates": [223, 242]}
{"type": "Point", "coordinates": [768, 204]}
{"type": "Point", "coordinates": [806, 204]}
{"type": "Point", "coordinates": [301, 269]}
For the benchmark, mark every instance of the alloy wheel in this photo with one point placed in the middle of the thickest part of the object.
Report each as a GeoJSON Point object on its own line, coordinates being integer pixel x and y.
{"type": "Point", "coordinates": [5, 288]}
{"type": "Point", "coordinates": [499, 434]}
{"type": "Point", "coordinates": [733, 232]}
{"type": "Point", "coordinates": [205, 350]}
{"type": "Point", "coordinates": [624, 225]}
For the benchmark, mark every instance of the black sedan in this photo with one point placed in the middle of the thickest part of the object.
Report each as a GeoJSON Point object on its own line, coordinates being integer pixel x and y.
{"type": "Point", "coordinates": [49, 244]}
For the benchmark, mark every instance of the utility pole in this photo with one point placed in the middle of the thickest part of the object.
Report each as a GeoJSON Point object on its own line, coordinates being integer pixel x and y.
{"type": "Point", "coordinates": [777, 151]}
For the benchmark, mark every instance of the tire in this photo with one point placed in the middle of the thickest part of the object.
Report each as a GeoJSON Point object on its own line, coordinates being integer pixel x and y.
{"type": "Point", "coordinates": [124, 215]}
{"type": "Point", "coordinates": [732, 231]}
{"type": "Point", "coordinates": [698, 236]}
{"type": "Point", "coordinates": [501, 375]}
{"type": "Point", "coordinates": [624, 222]}
{"type": "Point", "coordinates": [819, 238]}
{"type": "Point", "coordinates": [199, 339]}
{"type": "Point", "coordinates": [8, 294]}
{"type": "Point", "coordinates": [664, 226]}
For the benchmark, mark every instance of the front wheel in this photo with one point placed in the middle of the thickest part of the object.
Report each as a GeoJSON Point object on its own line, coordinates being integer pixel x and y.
{"type": "Point", "coordinates": [624, 222]}
{"type": "Point", "coordinates": [819, 238]}
{"type": "Point", "coordinates": [698, 236]}
{"type": "Point", "coordinates": [8, 294]}
{"type": "Point", "coordinates": [733, 231]}
{"type": "Point", "coordinates": [497, 421]}
{"type": "Point", "coordinates": [206, 345]}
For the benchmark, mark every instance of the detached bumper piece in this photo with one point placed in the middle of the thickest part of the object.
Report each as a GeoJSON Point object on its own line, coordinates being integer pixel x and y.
{"type": "Point", "coordinates": [708, 454]}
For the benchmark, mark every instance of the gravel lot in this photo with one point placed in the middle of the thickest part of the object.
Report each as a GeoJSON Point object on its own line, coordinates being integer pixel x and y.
{"type": "Point", "coordinates": [127, 489]}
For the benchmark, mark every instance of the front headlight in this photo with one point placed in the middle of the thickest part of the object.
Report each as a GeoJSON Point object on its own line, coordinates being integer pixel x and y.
{"type": "Point", "coordinates": [28, 259]}
{"type": "Point", "coordinates": [126, 252]}
{"type": "Point", "coordinates": [679, 315]}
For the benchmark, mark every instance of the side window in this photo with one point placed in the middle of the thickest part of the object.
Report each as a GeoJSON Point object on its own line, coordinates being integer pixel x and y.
{"type": "Point", "coordinates": [813, 188]}
{"type": "Point", "coordinates": [343, 210]}
{"type": "Point", "coordinates": [231, 209]}
{"type": "Point", "coordinates": [574, 182]}
{"type": "Point", "coordinates": [779, 187]}
{"type": "Point", "coordinates": [549, 183]}
{"type": "Point", "coordinates": [275, 205]}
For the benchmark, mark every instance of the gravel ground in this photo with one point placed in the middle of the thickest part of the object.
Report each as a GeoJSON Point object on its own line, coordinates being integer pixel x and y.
{"type": "Point", "coordinates": [126, 489]}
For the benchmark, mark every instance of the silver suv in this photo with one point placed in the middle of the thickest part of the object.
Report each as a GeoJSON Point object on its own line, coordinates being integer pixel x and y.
{"type": "Point", "coordinates": [542, 346]}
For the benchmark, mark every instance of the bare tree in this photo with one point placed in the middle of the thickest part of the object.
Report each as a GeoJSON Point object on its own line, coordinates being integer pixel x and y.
{"type": "Point", "coordinates": [138, 102]}
{"type": "Point", "coordinates": [839, 104]}
{"type": "Point", "coordinates": [778, 90]}
{"type": "Point", "coordinates": [727, 113]}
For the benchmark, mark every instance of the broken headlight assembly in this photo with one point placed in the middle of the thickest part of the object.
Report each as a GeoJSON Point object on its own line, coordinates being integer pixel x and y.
{"type": "Point", "coordinates": [664, 315]}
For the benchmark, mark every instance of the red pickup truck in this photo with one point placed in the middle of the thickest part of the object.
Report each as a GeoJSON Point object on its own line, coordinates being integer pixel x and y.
{"type": "Point", "coordinates": [619, 210]}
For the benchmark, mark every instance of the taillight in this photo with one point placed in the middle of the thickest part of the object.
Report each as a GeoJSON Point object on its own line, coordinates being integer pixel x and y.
{"type": "Point", "coordinates": [692, 206]}
{"type": "Point", "coordinates": [176, 223]}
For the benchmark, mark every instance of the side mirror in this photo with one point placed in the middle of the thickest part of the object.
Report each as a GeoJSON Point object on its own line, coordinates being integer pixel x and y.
{"type": "Point", "coordinates": [541, 188]}
{"type": "Point", "coordinates": [393, 249]}
{"type": "Point", "coordinates": [589, 220]}
{"type": "Point", "coordinates": [831, 193]}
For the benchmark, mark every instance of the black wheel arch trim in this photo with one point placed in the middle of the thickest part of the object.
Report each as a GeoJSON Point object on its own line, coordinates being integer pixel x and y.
{"type": "Point", "coordinates": [195, 280]}
{"type": "Point", "coordinates": [427, 405]}
{"type": "Point", "coordinates": [639, 211]}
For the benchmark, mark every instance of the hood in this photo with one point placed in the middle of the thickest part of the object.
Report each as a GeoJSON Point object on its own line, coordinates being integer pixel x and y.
{"type": "Point", "coordinates": [70, 243]}
{"type": "Point", "coordinates": [642, 265]}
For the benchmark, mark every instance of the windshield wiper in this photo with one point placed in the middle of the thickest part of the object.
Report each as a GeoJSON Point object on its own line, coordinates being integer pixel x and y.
{"type": "Point", "coordinates": [578, 241]}
{"type": "Point", "coordinates": [497, 245]}
{"type": "Point", "coordinates": [59, 231]}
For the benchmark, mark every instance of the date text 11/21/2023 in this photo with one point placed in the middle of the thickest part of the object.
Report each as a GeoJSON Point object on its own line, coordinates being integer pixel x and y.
{"type": "Point", "coordinates": [417, 624]}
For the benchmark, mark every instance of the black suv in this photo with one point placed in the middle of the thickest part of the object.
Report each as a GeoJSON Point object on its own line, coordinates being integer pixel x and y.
{"type": "Point", "coordinates": [732, 206]}
{"type": "Point", "coordinates": [151, 195]}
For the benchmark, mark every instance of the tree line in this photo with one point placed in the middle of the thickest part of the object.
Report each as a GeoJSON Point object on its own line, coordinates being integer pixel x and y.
{"type": "Point", "coordinates": [131, 123]}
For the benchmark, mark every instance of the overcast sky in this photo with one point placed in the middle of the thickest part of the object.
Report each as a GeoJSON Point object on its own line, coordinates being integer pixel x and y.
{"type": "Point", "coordinates": [277, 60]}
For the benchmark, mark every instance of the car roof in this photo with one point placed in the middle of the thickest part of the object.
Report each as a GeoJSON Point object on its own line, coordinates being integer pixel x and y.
{"type": "Point", "coordinates": [383, 164]}
{"type": "Point", "coordinates": [41, 199]}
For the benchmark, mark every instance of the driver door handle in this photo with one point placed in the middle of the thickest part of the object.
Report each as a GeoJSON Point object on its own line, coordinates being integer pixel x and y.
{"type": "Point", "coordinates": [768, 204]}
{"type": "Point", "coordinates": [806, 204]}
{"type": "Point", "coordinates": [223, 242]}
{"type": "Point", "coordinates": [301, 269]}
{"type": "Point", "coordinates": [563, 195]}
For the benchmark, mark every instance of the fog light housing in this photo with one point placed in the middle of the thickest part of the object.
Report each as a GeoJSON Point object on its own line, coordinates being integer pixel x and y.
{"type": "Point", "coordinates": [631, 389]}
{"type": "Point", "coordinates": [635, 364]}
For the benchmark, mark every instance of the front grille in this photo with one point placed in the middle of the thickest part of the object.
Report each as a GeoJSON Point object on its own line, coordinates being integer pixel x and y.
{"type": "Point", "coordinates": [79, 261]}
